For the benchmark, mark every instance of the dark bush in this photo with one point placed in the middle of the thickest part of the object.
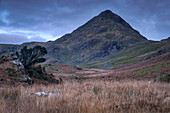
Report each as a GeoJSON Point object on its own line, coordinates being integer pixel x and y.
{"type": "Point", "coordinates": [31, 56]}
{"type": "Point", "coordinates": [38, 72]}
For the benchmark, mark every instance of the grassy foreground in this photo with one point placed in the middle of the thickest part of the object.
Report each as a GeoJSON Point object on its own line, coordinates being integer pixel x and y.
{"type": "Point", "coordinates": [89, 97]}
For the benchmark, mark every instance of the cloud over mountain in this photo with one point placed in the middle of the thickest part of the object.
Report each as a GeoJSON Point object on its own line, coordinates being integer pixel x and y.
{"type": "Point", "coordinates": [53, 18]}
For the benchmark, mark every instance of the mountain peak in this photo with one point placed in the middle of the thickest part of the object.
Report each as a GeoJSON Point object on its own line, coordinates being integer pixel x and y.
{"type": "Point", "coordinates": [109, 15]}
{"type": "Point", "coordinates": [107, 12]}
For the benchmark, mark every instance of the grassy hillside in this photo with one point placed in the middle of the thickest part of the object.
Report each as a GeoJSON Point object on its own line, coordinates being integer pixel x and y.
{"type": "Point", "coordinates": [132, 55]}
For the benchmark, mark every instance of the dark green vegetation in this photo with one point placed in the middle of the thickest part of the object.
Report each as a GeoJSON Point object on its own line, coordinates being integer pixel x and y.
{"type": "Point", "coordinates": [31, 56]}
{"type": "Point", "coordinates": [25, 68]}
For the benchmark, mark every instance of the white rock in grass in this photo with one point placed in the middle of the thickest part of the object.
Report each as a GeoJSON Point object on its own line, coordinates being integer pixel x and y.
{"type": "Point", "coordinates": [41, 93]}
{"type": "Point", "coordinates": [45, 94]}
{"type": "Point", "coordinates": [149, 82]}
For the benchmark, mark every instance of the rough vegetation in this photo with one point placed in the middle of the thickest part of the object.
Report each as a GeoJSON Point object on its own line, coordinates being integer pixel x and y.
{"type": "Point", "coordinates": [12, 73]}
{"type": "Point", "coordinates": [89, 97]}
{"type": "Point", "coordinates": [31, 56]}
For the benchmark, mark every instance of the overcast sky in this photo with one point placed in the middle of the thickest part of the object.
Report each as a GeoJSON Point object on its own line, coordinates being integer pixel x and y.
{"type": "Point", "coordinates": [43, 20]}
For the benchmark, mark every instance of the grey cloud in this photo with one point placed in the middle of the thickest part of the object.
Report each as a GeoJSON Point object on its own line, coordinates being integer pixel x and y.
{"type": "Point", "coordinates": [12, 39]}
{"type": "Point", "coordinates": [39, 39]}
{"type": "Point", "coordinates": [58, 17]}
{"type": "Point", "coordinates": [18, 39]}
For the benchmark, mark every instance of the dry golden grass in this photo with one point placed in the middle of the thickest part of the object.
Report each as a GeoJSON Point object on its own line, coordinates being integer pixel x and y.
{"type": "Point", "coordinates": [89, 97]}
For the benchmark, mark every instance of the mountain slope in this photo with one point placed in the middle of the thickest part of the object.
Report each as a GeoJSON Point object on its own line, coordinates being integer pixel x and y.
{"type": "Point", "coordinates": [102, 36]}
{"type": "Point", "coordinates": [133, 55]}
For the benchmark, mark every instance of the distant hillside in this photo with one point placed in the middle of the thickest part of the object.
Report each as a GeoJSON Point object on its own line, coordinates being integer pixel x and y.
{"type": "Point", "coordinates": [8, 48]}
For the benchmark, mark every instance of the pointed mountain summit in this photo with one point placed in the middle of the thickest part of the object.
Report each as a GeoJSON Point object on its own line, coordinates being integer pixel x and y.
{"type": "Point", "coordinates": [102, 36]}
{"type": "Point", "coordinates": [110, 15]}
{"type": "Point", "coordinates": [106, 23]}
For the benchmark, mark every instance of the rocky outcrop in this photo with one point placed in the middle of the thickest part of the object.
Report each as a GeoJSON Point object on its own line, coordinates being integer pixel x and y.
{"type": "Point", "coordinates": [107, 49]}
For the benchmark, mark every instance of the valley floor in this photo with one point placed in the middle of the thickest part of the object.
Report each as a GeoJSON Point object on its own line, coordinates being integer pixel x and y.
{"type": "Point", "coordinates": [122, 89]}
{"type": "Point", "coordinates": [88, 96]}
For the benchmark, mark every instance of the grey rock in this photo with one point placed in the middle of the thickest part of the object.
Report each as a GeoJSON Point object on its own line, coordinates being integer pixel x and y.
{"type": "Point", "coordinates": [46, 94]}
{"type": "Point", "coordinates": [27, 80]}
{"type": "Point", "coordinates": [18, 63]}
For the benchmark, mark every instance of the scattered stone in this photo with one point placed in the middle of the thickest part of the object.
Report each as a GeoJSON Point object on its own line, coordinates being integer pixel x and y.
{"type": "Point", "coordinates": [18, 63]}
{"type": "Point", "coordinates": [149, 82]}
{"type": "Point", "coordinates": [46, 94]}
{"type": "Point", "coordinates": [27, 80]}
{"type": "Point", "coordinates": [40, 94]}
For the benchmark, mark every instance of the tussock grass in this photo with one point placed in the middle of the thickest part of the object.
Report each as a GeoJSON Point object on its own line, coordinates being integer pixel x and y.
{"type": "Point", "coordinates": [89, 97]}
